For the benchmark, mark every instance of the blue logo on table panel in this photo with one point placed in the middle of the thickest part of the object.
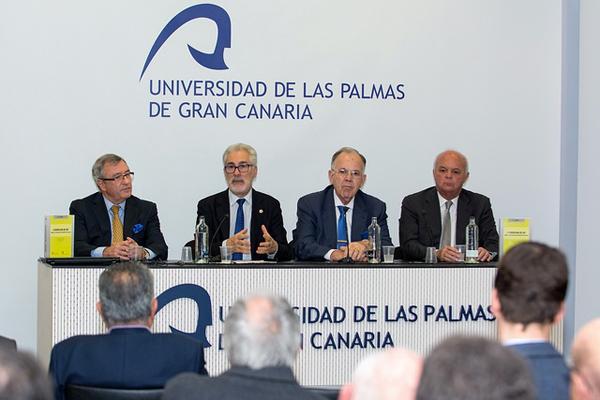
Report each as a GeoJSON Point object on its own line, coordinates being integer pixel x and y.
{"type": "Point", "coordinates": [202, 299]}
{"type": "Point", "coordinates": [209, 60]}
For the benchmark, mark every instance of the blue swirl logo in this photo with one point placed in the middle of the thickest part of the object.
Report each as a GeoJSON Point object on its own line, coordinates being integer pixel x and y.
{"type": "Point", "coordinates": [213, 12]}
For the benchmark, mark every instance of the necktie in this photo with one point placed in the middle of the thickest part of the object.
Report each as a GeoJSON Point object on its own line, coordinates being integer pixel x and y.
{"type": "Point", "coordinates": [239, 224]}
{"type": "Point", "coordinates": [446, 238]}
{"type": "Point", "coordinates": [117, 226]}
{"type": "Point", "coordinates": [342, 229]}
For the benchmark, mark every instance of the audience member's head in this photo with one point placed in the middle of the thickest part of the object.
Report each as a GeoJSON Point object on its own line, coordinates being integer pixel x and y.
{"type": "Point", "coordinates": [392, 374]}
{"type": "Point", "coordinates": [261, 331]}
{"type": "Point", "coordinates": [22, 378]}
{"type": "Point", "coordinates": [474, 368]}
{"type": "Point", "coordinates": [127, 295]}
{"type": "Point", "coordinates": [531, 285]}
{"type": "Point", "coordinates": [585, 375]}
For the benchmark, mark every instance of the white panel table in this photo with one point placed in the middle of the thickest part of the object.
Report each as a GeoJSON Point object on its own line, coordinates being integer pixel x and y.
{"type": "Point", "coordinates": [346, 311]}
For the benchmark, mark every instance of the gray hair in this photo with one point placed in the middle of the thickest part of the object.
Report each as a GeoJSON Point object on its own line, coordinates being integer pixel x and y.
{"type": "Point", "coordinates": [22, 377]}
{"type": "Point", "coordinates": [458, 154]}
{"type": "Point", "coordinates": [475, 368]}
{"type": "Point", "coordinates": [241, 146]}
{"type": "Point", "coordinates": [126, 293]}
{"type": "Point", "coordinates": [268, 339]}
{"type": "Point", "coordinates": [348, 150]}
{"type": "Point", "coordinates": [390, 374]}
{"type": "Point", "coordinates": [98, 167]}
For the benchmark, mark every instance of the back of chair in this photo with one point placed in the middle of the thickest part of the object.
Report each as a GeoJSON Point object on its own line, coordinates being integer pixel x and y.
{"type": "Point", "coordinates": [326, 392]}
{"type": "Point", "coordinates": [76, 392]}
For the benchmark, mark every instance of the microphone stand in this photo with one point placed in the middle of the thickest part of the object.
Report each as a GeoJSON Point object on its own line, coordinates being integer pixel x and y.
{"type": "Point", "coordinates": [216, 258]}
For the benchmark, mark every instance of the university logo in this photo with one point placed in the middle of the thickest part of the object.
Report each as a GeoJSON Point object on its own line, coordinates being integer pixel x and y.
{"type": "Point", "coordinates": [213, 12]}
{"type": "Point", "coordinates": [202, 299]}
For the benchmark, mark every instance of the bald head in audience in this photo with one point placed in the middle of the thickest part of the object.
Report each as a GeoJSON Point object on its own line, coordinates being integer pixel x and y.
{"type": "Point", "coordinates": [585, 375]}
{"type": "Point", "coordinates": [386, 375]}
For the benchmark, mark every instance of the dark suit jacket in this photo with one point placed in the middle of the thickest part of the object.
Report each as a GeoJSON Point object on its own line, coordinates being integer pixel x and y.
{"type": "Point", "coordinates": [239, 383]}
{"type": "Point", "coordinates": [130, 358]}
{"type": "Point", "coordinates": [550, 373]}
{"type": "Point", "coordinates": [421, 222]}
{"type": "Point", "coordinates": [8, 343]}
{"type": "Point", "coordinates": [265, 211]}
{"type": "Point", "coordinates": [316, 229]}
{"type": "Point", "coordinates": [93, 229]}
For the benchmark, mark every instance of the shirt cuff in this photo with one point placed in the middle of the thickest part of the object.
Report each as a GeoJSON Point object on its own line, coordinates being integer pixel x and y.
{"type": "Point", "coordinates": [97, 252]}
{"type": "Point", "coordinates": [327, 255]}
{"type": "Point", "coordinates": [151, 254]}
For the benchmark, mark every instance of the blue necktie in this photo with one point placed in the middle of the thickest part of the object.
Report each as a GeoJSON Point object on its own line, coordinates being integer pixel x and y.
{"type": "Point", "coordinates": [342, 239]}
{"type": "Point", "coordinates": [239, 224]}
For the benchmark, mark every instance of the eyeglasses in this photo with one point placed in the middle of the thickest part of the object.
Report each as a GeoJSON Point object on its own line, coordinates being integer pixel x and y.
{"type": "Point", "coordinates": [354, 173]}
{"type": "Point", "coordinates": [119, 178]}
{"type": "Point", "coordinates": [243, 168]}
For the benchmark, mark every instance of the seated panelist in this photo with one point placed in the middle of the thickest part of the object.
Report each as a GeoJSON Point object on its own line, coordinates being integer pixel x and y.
{"type": "Point", "coordinates": [325, 217]}
{"type": "Point", "coordinates": [114, 223]}
{"type": "Point", "coordinates": [246, 220]}
{"type": "Point", "coordinates": [438, 216]}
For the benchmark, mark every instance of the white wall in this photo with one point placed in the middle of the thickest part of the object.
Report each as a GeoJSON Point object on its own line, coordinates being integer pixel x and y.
{"type": "Point", "coordinates": [483, 77]}
{"type": "Point", "coordinates": [587, 274]}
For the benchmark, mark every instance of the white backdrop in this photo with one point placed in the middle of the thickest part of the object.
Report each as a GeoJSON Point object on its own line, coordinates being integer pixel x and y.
{"type": "Point", "coordinates": [482, 77]}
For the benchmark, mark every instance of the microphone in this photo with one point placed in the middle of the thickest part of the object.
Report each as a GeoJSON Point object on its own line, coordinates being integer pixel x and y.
{"type": "Point", "coordinates": [212, 239]}
{"type": "Point", "coordinates": [347, 259]}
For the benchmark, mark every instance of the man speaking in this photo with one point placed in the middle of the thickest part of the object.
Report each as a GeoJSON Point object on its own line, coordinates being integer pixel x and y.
{"type": "Point", "coordinates": [242, 218]}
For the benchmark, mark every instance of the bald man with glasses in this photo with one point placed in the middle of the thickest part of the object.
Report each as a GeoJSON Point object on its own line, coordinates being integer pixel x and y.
{"type": "Point", "coordinates": [247, 221]}
{"type": "Point", "coordinates": [114, 223]}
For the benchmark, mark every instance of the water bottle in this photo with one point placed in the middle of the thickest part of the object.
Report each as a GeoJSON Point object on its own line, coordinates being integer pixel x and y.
{"type": "Point", "coordinates": [374, 249]}
{"type": "Point", "coordinates": [201, 241]}
{"type": "Point", "coordinates": [472, 241]}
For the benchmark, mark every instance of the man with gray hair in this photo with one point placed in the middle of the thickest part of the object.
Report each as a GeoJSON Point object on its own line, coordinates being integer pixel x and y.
{"type": "Point", "coordinates": [261, 337]}
{"type": "Point", "coordinates": [114, 223]}
{"type": "Point", "coordinates": [22, 378]}
{"type": "Point", "coordinates": [392, 374]}
{"type": "Point", "coordinates": [585, 374]}
{"type": "Point", "coordinates": [247, 221]}
{"type": "Point", "coordinates": [326, 218]}
{"type": "Point", "coordinates": [129, 356]}
{"type": "Point", "coordinates": [437, 216]}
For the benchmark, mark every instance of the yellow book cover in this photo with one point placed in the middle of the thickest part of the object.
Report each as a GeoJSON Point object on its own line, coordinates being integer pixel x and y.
{"type": "Point", "coordinates": [59, 241]}
{"type": "Point", "coordinates": [514, 231]}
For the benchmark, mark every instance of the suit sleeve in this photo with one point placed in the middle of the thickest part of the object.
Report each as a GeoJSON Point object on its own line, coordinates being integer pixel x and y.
{"type": "Point", "coordinates": [411, 247]}
{"type": "Point", "coordinates": [154, 237]}
{"type": "Point", "coordinates": [386, 240]}
{"type": "Point", "coordinates": [488, 234]}
{"type": "Point", "coordinates": [59, 389]}
{"type": "Point", "coordinates": [277, 231]}
{"type": "Point", "coordinates": [307, 247]}
{"type": "Point", "coordinates": [82, 246]}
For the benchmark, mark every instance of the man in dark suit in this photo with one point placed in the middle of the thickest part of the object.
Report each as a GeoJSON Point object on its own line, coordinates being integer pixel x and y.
{"type": "Point", "coordinates": [261, 337]}
{"type": "Point", "coordinates": [129, 356]}
{"type": "Point", "coordinates": [245, 220]}
{"type": "Point", "coordinates": [437, 216]}
{"type": "Point", "coordinates": [527, 299]}
{"type": "Point", "coordinates": [114, 223]}
{"type": "Point", "coordinates": [320, 232]}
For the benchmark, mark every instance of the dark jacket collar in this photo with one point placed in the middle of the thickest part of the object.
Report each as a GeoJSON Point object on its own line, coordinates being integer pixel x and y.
{"type": "Point", "coordinates": [282, 374]}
